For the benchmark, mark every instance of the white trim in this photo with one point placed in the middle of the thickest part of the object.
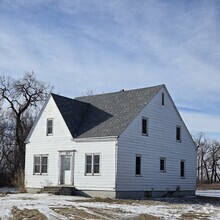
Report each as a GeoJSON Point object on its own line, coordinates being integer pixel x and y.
{"type": "Point", "coordinates": [164, 159]}
{"type": "Point", "coordinates": [147, 125]}
{"type": "Point", "coordinates": [180, 135]}
{"type": "Point", "coordinates": [72, 161]}
{"type": "Point", "coordinates": [140, 156]}
{"type": "Point", "coordinates": [92, 164]}
{"type": "Point", "coordinates": [66, 152]}
{"type": "Point", "coordinates": [27, 140]}
{"type": "Point", "coordinates": [95, 139]}
{"type": "Point", "coordinates": [52, 127]}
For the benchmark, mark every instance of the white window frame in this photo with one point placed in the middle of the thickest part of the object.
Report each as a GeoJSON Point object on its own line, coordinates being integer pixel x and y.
{"type": "Point", "coordinates": [147, 122]}
{"type": "Point", "coordinates": [51, 127]}
{"type": "Point", "coordinates": [164, 159]}
{"type": "Point", "coordinates": [140, 156]}
{"type": "Point", "coordinates": [93, 164]}
{"type": "Point", "coordinates": [41, 156]}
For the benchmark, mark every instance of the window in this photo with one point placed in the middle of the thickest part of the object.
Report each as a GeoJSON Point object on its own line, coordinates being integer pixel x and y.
{"type": "Point", "coordinates": [92, 164]}
{"type": "Point", "coordinates": [67, 162]}
{"type": "Point", "coordinates": [182, 168]}
{"type": "Point", "coordinates": [178, 133]}
{"type": "Point", "coordinates": [144, 126]}
{"type": "Point", "coordinates": [40, 164]}
{"type": "Point", "coordinates": [49, 126]}
{"type": "Point", "coordinates": [138, 165]}
{"type": "Point", "coordinates": [96, 162]}
{"type": "Point", "coordinates": [163, 164]}
{"type": "Point", "coordinates": [162, 98]}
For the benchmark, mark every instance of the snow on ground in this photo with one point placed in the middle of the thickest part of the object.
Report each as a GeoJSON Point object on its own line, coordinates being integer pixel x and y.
{"type": "Point", "coordinates": [208, 193]}
{"type": "Point", "coordinates": [166, 208]}
{"type": "Point", "coordinates": [7, 189]}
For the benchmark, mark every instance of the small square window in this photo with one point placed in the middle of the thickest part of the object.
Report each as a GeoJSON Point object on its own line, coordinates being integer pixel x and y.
{"type": "Point", "coordinates": [49, 126]}
{"type": "Point", "coordinates": [163, 164]}
{"type": "Point", "coordinates": [138, 166]}
{"type": "Point", "coordinates": [178, 133]}
{"type": "Point", "coordinates": [144, 126]}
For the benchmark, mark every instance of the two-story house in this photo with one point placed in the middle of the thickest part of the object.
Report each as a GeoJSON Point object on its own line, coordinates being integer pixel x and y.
{"type": "Point", "coordinates": [127, 144]}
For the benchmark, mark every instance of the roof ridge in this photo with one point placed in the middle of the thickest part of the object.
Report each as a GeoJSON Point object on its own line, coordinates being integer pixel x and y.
{"type": "Point", "coordinates": [54, 94]}
{"type": "Point", "coordinates": [109, 93]}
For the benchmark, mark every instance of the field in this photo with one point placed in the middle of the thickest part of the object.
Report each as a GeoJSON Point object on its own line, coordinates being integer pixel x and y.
{"type": "Point", "coordinates": [44, 206]}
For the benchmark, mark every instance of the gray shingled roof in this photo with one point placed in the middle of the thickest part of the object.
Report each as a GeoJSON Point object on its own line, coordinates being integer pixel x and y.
{"type": "Point", "coordinates": [105, 114]}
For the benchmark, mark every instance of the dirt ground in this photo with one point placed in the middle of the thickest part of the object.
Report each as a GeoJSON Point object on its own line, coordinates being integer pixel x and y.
{"type": "Point", "coordinates": [97, 208]}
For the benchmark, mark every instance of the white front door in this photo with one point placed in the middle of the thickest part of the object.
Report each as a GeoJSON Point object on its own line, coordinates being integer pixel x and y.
{"type": "Point", "coordinates": [66, 170]}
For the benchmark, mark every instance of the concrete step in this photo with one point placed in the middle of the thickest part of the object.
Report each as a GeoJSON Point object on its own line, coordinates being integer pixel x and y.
{"type": "Point", "coordinates": [59, 190]}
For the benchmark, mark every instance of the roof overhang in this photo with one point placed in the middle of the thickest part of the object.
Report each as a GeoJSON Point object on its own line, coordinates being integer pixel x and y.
{"type": "Point", "coordinates": [95, 139]}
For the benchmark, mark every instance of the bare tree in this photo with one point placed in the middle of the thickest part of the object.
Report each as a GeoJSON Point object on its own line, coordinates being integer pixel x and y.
{"type": "Point", "coordinates": [202, 148]}
{"type": "Point", "coordinates": [213, 160]}
{"type": "Point", "coordinates": [22, 99]}
{"type": "Point", "coordinates": [208, 159]}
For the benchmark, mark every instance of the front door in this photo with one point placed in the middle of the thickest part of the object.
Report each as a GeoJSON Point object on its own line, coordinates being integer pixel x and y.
{"type": "Point", "coordinates": [66, 170]}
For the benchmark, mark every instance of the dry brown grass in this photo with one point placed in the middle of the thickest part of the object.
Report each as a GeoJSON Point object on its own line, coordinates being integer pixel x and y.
{"type": "Point", "coordinates": [109, 213]}
{"type": "Point", "coordinates": [204, 186]}
{"type": "Point", "coordinates": [18, 181]}
{"type": "Point", "coordinates": [194, 215]}
{"type": "Point", "coordinates": [147, 217]}
{"type": "Point", "coordinates": [95, 213]}
{"type": "Point", "coordinates": [120, 201]}
{"type": "Point", "coordinates": [33, 214]}
{"type": "Point", "coordinates": [74, 213]}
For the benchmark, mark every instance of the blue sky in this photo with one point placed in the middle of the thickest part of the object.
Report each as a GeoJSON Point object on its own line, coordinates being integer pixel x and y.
{"type": "Point", "coordinates": [106, 46]}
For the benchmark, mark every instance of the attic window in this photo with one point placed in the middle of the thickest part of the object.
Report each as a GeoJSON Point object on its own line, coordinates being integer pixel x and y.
{"type": "Point", "coordinates": [178, 133]}
{"type": "Point", "coordinates": [144, 126]}
{"type": "Point", "coordinates": [49, 126]}
{"type": "Point", "coordinates": [162, 98]}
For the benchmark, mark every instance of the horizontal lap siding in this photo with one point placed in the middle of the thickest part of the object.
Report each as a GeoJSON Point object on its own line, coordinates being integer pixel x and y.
{"type": "Point", "coordinates": [106, 179]}
{"type": "Point", "coordinates": [160, 142]}
{"type": "Point", "coordinates": [62, 140]}
{"type": "Point", "coordinates": [40, 143]}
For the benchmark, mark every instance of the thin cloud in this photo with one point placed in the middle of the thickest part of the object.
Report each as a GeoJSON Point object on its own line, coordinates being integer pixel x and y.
{"type": "Point", "coordinates": [110, 45]}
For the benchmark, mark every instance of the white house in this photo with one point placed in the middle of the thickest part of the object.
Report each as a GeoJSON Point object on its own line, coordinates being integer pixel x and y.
{"type": "Point", "coordinates": [127, 144]}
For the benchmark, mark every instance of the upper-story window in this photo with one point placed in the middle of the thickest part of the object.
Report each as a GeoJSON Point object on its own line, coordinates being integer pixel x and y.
{"type": "Point", "coordinates": [144, 126]}
{"type": "Point", "coordinates": [49, 126]}
{"type": "Point", "coordinates": [162, 98]}
{"type": "Point", "coordinates": [178, 133]}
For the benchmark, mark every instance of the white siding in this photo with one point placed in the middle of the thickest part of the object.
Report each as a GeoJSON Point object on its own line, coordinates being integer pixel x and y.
{"type": "Point", "coordinates": [160, 142]}
{"type": "Point", "coordinates": [62, 140]}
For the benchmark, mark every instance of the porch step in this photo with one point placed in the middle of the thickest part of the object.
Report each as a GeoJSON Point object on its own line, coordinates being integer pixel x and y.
{"type": "Point", "coordinates": [59, 190]}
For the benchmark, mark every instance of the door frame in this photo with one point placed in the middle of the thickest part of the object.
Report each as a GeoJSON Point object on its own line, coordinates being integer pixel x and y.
{"type": "Point", "coordinates": [66, 153]}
